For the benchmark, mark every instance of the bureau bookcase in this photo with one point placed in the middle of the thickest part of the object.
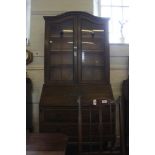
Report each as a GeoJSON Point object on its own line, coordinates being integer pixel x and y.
{"type": "Point", "coordinates": [76, 64]}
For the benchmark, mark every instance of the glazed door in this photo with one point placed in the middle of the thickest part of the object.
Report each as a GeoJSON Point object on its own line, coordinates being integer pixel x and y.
{"type": "Point", "coordinates": [92, 56]}
{"type": "Point", "coordinates": [61, 54]}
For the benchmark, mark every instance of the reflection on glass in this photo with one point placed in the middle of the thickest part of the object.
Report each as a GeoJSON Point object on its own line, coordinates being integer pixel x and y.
{"type": "Point", "coordinates": [86, 42]}
{"type": "Point", "coordinates": [83, 56]}
{"type": "Point", "coordinates": [92, 31]}
{"type": "Point", "coordinates": [83, 42]}
{"type": "Point", "coordinates": [92, 59]}
{"type": "Point", "coordinates": [70, 42]}
{"type": "Point", "coordinates": [67, 31]}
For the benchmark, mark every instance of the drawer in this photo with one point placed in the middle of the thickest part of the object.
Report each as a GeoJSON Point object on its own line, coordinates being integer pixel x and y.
{"type": "Point", "coordinates": [60, 115]}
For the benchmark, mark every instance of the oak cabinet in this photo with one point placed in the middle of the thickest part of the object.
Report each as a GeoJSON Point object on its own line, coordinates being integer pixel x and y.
{"type": "Point", "coordinates": [76, 64]}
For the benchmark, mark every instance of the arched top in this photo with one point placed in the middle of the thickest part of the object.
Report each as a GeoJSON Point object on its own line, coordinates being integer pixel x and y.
{"type": "Point", "coordinates": [75, 13]}
{"type": "Point", "coordinates": [78, 13]}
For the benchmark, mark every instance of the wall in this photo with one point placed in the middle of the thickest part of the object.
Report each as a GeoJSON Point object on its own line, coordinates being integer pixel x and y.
{"type": "Point", "coordinates": [118, 52]}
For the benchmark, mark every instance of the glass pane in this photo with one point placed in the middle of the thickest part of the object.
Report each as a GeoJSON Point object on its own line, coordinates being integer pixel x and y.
{"type": "Point", "coordinates": [126, 2]}
{"type": "Point", "coordinates": [106, 12]}
{"type": "Point", "coordinates": [115, 26]}
{"type": "Point", "coordinates": [105, 2]}
{"type": "Point", "coordinates": [125, 29]}
{"type": "Point", "coordinates": [93, 36]}
{"type": "Point", "coordinates": [61, 36]}
{"type": "Point", "coordinates": [126, 14]}
{"type": "Point", "coordinates": [92, 58]}
{"type": "Point", "coordinates": [115, 33]}
{"type": "Point", "coordinates": [60, 43]}
{"type": "Point", "coordinates": [126, 33]}
{"type": "Point", "coordinates": [117, 13]}
{"type": "Point", "coordinates": [92, 44]}
{"type": "Point", "coordinates": [117, 2]}
{"type": "Point", "coordinates": [60, 48]}
{"type": "Point", "coordinates": [58, 58]}
{"type": "Point", "coordinates": [92, 73]}
{"type": "Point", "coordinates": [63, 73]}
{"type": "Point", "coordinates": [61, 65]}
{"type": "Point", "coordinates": [93, 39]}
